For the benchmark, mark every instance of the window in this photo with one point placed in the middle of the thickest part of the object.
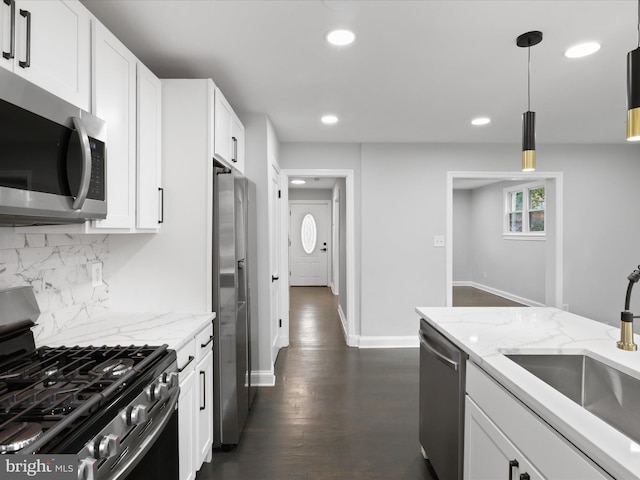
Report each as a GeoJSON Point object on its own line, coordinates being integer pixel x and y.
{"type": "Point", "coordinates": [308, 233]}
{"type": "Point", "coordinates": [524, 210]}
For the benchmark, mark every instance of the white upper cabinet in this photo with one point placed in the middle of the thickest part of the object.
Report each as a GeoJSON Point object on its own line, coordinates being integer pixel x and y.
{"type": "Point", "coordinates": [227, 131]}
{"type": "Point", "coordinates": [114, 94]}
{"type": "Point", "coordinates": [150, 195]}
{"type": "Point", "coordinates": [237, 143]}
{"type": "Point", "coordinates": [48, 43]}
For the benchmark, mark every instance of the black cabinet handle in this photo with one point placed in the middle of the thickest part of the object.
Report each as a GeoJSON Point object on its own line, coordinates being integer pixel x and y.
{"type": "Point", "coordinates": [204, 390]}
{"type": "Point", "coordinates": [27, 62]}
{"type": "Point", "coordinates": [202, 345]}
{"type": "Point", "coordinates": [161, 192]}
{"type": "Point", "coordinates": [234, 158]}
{"type": "Point", "coordinates": [513, 465]}
{"type": "Point", "coordinates": [525, 476]}
{"type": "Point", "coordinates": [12, 48]}
{"type": "Point", "coordinates": [191, 359]}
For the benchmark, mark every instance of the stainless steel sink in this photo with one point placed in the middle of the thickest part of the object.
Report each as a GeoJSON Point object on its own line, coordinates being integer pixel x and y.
{"type": "Point", "coordinates": [608, 393]}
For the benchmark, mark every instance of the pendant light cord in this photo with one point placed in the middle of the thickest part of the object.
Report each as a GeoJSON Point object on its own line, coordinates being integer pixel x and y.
{"type": "Point", "coordinates": [529, 75]}
{"type": "Point", "coordinates": [638, 23]}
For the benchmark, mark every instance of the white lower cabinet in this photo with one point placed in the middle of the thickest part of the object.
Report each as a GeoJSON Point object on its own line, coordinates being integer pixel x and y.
{"type": "Point", "coordinates": [186, 422]}
{"type": "Point", "coordinates": [506, 440]}
{"type": "Point", "coordinates": [489, 453]}
{"type": "Point", "coordinates": [195, 404]}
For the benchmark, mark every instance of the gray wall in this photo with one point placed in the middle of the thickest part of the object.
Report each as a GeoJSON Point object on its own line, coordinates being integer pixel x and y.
{"type": "Point", "coordinates": [342, 278]}
{"type": "Point", "coordinates": [400, 206]}
{"type": "Point", "coordinates": [309, 194]}
{"type": "Point", "coordinates": [462, 236]}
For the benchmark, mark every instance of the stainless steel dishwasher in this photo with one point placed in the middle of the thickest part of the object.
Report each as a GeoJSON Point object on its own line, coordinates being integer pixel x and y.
{"type": "Point", "coordinates": [442, 389]}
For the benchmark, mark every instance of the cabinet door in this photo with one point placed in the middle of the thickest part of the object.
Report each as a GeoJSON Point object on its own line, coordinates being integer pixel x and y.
{"type": "Point", "coordinates": [222, 145]}
{"type": "Point", "coordinates": [204, 424]}
{"type": "Point", "coordinates": [56, 54]}
{"type": "Point", "coordinates": [489, 455]}
{"type": "Point", "coordinates": [114, 93]}
{"type": "Point", "coordinates": [237, 139]}
{"type": "Point", "coordinates": [149, 100]}
{"type": "Point", "coordinates": [186, 424]}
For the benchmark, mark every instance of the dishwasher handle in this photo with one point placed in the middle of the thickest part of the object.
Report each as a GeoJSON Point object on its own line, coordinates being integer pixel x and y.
{"type": "Point", "coordinates": [446, 361]}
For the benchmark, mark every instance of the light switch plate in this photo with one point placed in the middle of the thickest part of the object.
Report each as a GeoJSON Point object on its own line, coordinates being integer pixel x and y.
{"type": "Point", "coordinates": [438, 241]}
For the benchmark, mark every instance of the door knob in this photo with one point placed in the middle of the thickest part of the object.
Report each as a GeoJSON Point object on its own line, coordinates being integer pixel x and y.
{"type": "Point", "coordinates": [323, 249]}
{"type": "Point", "coordinates": [275, 277]}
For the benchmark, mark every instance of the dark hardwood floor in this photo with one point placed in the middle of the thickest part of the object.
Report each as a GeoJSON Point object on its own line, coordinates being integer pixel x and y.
{"type": "Point", "coordinates": [474, 297]}
{"type": "Point", "coordinates": [335, 412]}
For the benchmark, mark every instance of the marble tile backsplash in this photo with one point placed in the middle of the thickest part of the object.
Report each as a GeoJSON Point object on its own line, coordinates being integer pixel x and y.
{"type": "Point", "coordinates": [58, 267]}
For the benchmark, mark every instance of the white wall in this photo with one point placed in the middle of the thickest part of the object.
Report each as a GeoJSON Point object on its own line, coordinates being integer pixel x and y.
{"type": "Point", "coordinates": [400, 196]}
{"type": "Point", "coordinates": [309, 194]}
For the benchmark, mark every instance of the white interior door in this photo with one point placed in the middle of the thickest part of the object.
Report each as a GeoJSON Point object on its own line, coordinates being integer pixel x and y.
{"type": "Point", "coordinates": [309, 251]}
{"type": "Point", "coordinates": [274, 230]}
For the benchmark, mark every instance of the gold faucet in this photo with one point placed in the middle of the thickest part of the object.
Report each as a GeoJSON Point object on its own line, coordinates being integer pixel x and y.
{"type": "Point", "coordinates": [626, 332]}
{"type": "Point", "coordinates": [626, 318]}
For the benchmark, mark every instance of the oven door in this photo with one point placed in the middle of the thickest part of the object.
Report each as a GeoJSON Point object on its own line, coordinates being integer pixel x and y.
{"type": "Point", "coordinates": [161, 460]}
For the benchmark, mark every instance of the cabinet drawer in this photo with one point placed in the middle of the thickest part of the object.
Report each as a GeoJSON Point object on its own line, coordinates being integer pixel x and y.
{"type": "Point", "coordinates": [552, 454]}
{"type": "Point", "coordinates": [186, 357]}
{"type": "Point", "coordinates": [204, 342]}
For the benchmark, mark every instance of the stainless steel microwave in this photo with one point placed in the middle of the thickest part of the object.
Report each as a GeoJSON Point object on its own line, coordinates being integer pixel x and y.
{"type": "Point", "coordinates": [52, 158]}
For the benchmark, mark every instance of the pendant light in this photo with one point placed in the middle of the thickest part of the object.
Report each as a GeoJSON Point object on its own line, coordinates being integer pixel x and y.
{"type": "Point", "coordinates": [528, 40]}
{"type": "Point", "coordinates": [633, 90]}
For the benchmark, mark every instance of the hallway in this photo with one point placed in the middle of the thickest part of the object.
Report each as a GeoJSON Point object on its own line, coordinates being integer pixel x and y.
{"type": "Point", "coordinates": [335, 412]}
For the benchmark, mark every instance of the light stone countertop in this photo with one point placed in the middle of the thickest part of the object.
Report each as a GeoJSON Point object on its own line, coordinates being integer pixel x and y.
{"type": "Point", "coordinates": [174, 329]}
{"type": "Point", "coordinates": [486, 334]}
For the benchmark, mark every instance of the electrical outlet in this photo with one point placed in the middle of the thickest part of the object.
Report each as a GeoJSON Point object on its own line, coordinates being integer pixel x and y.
{"type": "Point", "coordinates": [96, 274]}
{"type": "Point", "coordinates": [438, 241]}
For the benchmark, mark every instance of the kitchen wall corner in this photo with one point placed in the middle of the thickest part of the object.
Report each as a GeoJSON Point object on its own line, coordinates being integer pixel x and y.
{"type": "Point", "coordinates": [58, 267]}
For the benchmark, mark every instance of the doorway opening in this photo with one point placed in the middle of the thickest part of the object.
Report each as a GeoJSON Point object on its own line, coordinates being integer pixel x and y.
{"type": "Point", "coordinates": [489, 242]}
{"type": "Point", "coordinates": [333, 267]}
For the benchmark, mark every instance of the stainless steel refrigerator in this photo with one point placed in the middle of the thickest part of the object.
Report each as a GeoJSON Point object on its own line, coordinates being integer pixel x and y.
{"type": "Point", "coordinates": [234, 286]}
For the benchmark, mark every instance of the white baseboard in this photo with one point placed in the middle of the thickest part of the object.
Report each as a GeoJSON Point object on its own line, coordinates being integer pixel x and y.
{"type": "Point", "coordinates": [500, 293]}
{"type": "Point", "coordinates": [343, 322]}
{"type": "Point", "coordinates": [410, 341]}
{"type": "Point", "coordinates": [334, 290]}
{"type": "Point", "coordinates": [263, 378]}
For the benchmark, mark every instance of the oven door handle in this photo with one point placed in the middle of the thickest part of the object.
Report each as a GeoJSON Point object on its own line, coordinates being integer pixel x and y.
{"type": "Point", "coordinates": [126, 463]}
{"type": "Point", "coordinates": [85, 173]}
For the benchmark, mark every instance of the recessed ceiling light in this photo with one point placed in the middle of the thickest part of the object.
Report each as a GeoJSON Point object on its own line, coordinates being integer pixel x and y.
{"type": "Point", "coordinates": [480, 121]}
{"type": "Point", "coordinates": [582, 50]}
{"type": "Point", "coordinates": [298, 181]}
{"type": "Point", "coordinates": [329, 119]}
{"type": "Point", "coordinates": [340, 38]}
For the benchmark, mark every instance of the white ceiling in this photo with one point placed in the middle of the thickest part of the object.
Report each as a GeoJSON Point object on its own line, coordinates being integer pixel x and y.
{"type": "Point", "coordinates": [419, 71]}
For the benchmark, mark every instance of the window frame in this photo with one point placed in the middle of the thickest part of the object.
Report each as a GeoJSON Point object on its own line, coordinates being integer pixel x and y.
{"type": "Point", "coordinates": [526, 233]}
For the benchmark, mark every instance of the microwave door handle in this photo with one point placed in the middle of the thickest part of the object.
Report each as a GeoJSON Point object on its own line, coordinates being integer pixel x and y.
{"type": "Point", "coordinates": [85, 175]}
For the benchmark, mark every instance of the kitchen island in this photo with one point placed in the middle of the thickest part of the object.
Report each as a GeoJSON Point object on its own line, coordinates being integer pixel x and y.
{"type": "Point", "coordinates": [487, 335]}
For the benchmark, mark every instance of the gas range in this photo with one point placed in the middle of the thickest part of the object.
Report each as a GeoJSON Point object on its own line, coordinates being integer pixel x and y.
{"type": "Point", "coordinates": [105, 404]}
